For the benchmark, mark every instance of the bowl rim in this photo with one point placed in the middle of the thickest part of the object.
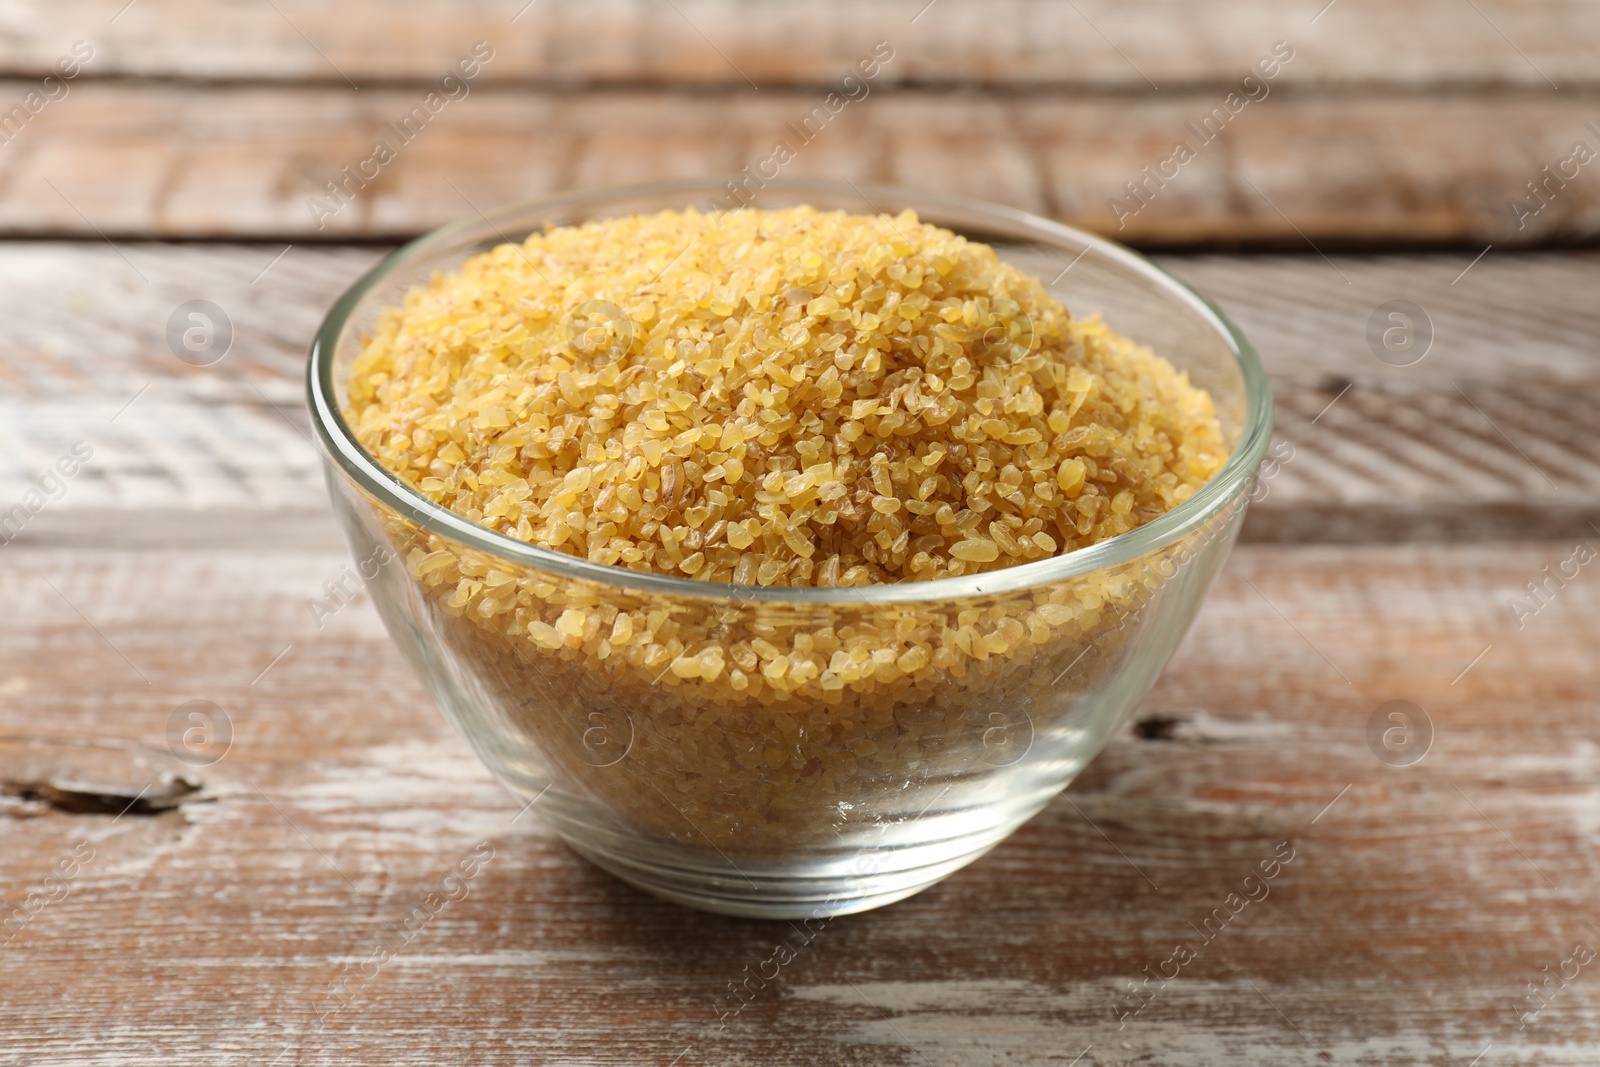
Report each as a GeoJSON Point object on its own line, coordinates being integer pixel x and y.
{"type": "Point", "coordinates": [1223, 489]}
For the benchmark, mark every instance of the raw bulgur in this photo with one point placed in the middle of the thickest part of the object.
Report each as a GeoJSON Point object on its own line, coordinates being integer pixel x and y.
{"type": "Point", "coordinates": [770, 398]}
{"type": "Point", "coordinates": [778, 397]}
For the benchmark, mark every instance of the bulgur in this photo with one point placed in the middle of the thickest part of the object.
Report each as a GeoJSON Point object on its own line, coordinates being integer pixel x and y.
{"type": "Point", "coordinates": [778, 398]}
{"type": "Point", "coordinates": [767, 398]}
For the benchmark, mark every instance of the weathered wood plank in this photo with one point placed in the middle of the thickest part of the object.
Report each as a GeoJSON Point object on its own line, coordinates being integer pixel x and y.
{"type": "Point", "coordinates": [1457, 446]}
{"type": "Point", "coordinates": [1097, 44]}
{"type": "Point", "coordinates": [1489, 434]}
{"type": "Point", "coordinates": [1419, 902]}
{"type": "Point", "coordinates": [166, 160]}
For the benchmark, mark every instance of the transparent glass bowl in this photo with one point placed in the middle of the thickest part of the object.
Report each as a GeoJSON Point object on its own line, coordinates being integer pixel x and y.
{"type": "Point", "coordinates": [813, 801]}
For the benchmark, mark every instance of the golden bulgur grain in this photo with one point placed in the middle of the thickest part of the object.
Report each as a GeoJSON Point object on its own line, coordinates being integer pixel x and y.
{"type": "Point", "coordinates": [869, 398]}
{"type": "Point", "coordinates": [774, 398]}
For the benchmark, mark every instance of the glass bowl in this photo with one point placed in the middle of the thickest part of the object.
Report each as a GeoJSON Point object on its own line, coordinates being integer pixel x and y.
{"type": "Point", "coordinates": [791, 783]}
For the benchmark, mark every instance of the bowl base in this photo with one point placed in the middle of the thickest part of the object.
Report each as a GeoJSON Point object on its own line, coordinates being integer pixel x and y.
{"type": "Point", "coordinates": [790, 893]}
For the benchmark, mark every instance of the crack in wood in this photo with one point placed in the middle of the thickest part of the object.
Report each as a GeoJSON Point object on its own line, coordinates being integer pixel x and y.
{"type": "Point", "coordinates": [1160, 727]}
{"type": "Point", "coordinates": [83, 799]}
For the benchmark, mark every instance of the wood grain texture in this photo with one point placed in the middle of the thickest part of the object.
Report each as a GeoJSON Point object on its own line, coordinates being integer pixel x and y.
{"type": "Point", "coordinates": [228, 912]}
{"type": "Point", "coordinates": [1090, 44]}
{"type": "Point", "coordinates": [1419, 902]}
{"type": "Point", "coordinates": [1469, 443]}
{"type": "Point", "coordinates": [168, 160]}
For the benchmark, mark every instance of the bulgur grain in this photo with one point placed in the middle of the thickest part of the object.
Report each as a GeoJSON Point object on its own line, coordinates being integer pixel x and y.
{"type": "Point", "coordinates": [773, 398]}
{"type": "Point", "coordinates": [816, 371]}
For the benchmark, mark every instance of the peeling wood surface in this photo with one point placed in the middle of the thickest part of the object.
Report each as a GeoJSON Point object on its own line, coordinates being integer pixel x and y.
{"type": "Point", "coordinates": [242, 161]}
{"type": "Point", "coordinates": [1085, 44]}
{"type": "Point", "coordinates": [92, 775]}
{"type": "Point", "coordinates": [210, 918]}
{"type": "Point", "coordinates": [1490, 435]}
{"type": "Point", "coordinates": [1418, 122]}
{"type": "Point", "coordinates": [1419, 902]}
{"type": "Point", "coordinates": [215, 814]}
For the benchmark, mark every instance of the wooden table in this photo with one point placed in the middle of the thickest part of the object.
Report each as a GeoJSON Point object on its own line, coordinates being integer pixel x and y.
{"type": "Point", "coordinates": [226, 909]}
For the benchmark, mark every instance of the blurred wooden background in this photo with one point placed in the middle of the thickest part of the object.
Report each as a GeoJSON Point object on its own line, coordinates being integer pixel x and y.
{"type": "Point", "coordinates": [214, 924]}
{"type": "Point", "coordinates": [1418, 121]}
